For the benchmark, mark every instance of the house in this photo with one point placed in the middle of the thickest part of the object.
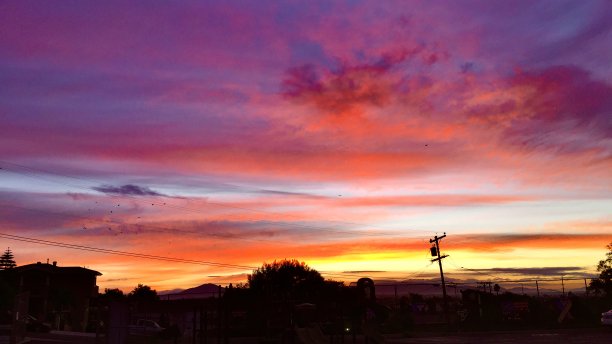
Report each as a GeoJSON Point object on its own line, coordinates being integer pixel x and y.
{"type": "Point", "coordinates": [58, 295]}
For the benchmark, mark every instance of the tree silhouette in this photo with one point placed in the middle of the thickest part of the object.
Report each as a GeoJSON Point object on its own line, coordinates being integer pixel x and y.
{"type": "Point", "coordinates": [7, 260]}
{"type": "Point", "coordinates": [143, 293]}
{"type": "Point", "coordinates": [286, 279]}
{"type": "Point", "coordinates": [113, 295]}
{"type": "Point", "coordinates": [603, 284]}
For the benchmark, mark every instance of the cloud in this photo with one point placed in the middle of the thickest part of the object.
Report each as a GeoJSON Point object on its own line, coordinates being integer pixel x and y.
{"type": "Point", "coordinates": [286, 193]}
{"type": "Point", "coordinates": [17, 219]}
{"type": "Point", "coordinates": [127, 189]}
{"type": "Point", "coordinates": [117, 279]}
{"type": "Point", "coordinates": [171, 93]}
{"type": "Point", "coordinates": [439, 200]}
{"type": "Point", "coordinates": [492, 242]}
{"type": "Point", "coordinates": [353, 86]}
{"type": "Point", "coordinates": [544, 271]}
{"type": "Point", "coordinates": [342, 91]}
{"type": "Point", "coordinates": [562, 109]}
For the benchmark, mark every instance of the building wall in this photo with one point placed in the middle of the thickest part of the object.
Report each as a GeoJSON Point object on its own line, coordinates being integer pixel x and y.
{"type": "Point", "coordinates": [59, 295]}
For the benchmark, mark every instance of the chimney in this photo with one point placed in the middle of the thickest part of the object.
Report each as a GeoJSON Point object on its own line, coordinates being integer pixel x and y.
{"type": "Point", "coordinates": [54, 263]}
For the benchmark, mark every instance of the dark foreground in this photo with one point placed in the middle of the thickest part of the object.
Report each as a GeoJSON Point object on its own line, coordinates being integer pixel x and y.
{"type": "Point", "coordinates": [570, 336]}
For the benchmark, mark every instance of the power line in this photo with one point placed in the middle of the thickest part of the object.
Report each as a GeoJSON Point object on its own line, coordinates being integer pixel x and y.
{"type": "Point", "coordinates": [139, 225]}
{"type": "Point", "coordinates": [139, 255]}
{"type": "Point", "coordinates": [418, 273]}
{"type": "Point", "coordinates": [506, 280]}
{"type": "Point", "coordinates": [109, 222]}
{"type": "Point", "coordinates": [122, 253]}
{"type": "Point", "coordinates": [452, 262]}
{"type": "Point", "coordinates": [30, 173]}
{"type": "Point", "coordinates": [65, 215]}
{"type": "Point", "coordinates": [210, 263]}
{"type": "Point", "coordinates": [365, 274]}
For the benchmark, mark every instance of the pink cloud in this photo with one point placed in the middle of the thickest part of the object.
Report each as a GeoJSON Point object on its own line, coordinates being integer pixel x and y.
{"type": "Point", "coordinates": [326, 96]}
{"type": "Point", "coordinates": [561, 108]}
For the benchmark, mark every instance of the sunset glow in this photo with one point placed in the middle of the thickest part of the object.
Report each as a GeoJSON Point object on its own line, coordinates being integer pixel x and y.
{"type": "Point", "coordinates": [344, 134]}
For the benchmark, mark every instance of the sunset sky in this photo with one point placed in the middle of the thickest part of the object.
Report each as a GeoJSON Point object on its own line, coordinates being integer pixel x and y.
{"type": "Point", "coordinates": [345, 134]}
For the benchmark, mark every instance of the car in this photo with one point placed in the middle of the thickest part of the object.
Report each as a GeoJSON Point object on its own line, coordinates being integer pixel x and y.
{"type": "Point", "coordinates": [145, 327]}
{"type": "Point", "coordinates": [606, 318]}
{"type": "Point", "coordinates": [35, 325]}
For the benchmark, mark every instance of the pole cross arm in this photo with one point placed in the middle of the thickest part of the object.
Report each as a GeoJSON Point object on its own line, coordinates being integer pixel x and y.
{"type": "Point", "coordinates": [436, 238]}
{"type": "Point", "coordinates": [439, 258]}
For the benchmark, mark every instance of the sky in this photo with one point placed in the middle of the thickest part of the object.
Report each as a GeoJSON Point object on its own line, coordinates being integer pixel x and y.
{"type": "Point", "coordinates": [345, 134]}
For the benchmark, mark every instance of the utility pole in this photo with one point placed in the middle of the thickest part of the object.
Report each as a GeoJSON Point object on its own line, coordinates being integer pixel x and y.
{"type": "Point", "coordinates": [562, 286]}
{"type": "Point", "coordinates": [436, 240]}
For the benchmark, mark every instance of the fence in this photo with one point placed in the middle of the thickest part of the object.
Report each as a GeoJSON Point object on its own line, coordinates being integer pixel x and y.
{"type": "Point", "coordinates": [544, 287]}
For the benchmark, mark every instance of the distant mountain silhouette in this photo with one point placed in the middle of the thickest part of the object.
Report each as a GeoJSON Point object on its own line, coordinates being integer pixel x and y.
{"type": "Point", "coordinates": [206, 288]}
{"type": "Point", "coordinates": [203, 291]}
{"type": "Point", "coordinates": [170, 292]}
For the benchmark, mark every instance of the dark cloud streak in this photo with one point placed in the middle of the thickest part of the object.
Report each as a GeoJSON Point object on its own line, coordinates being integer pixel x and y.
{"type": "Point", "coordinates": [542, 271]}
{"type": "Point", "coordinates": [127, 189]}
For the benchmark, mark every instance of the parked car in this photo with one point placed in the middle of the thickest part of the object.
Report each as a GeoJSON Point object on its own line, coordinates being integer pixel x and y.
{"type": "Point", "coordinates": [35, 325]}
{"type": "Point", "coordinates": [606, 318]}
{"type": "Point", "coordinates": [145, 327]}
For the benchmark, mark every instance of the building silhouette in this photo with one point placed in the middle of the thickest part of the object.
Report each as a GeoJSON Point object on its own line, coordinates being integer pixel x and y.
{"type": "Point", "coordinates": [58, 295]}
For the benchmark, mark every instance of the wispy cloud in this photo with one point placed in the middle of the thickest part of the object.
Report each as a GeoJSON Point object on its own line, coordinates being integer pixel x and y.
{"type": "Point", "coordinates": [350, 88]}
{"type": "Point", "coordinates": [262, 115]}
{"type": "Point", "coordinates": [561, 109]}
{"type": "Point", "coordinates": [127, 190]}
{"type": "Point", "coordinates": [544, 271]}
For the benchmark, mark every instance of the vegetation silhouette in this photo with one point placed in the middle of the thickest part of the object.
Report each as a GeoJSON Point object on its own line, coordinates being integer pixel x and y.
{"type": "Point", "coordinates": [7, 260]}
{"type": "Point", "coordinates": [142, 294]}
{"type": "Point", "coordinates": [286, 299]}
{"type": "Point", "coordinates": [286, 279]}
{"type": "Point", "coordinates": [8, 287]}
{"type": "Point", "coordinates": [603, 284]}
{"type": "Point", "coordinates": [111, 295]}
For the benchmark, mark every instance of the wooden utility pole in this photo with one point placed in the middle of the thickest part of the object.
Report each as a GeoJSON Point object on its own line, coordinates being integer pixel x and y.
{"type": "Point", "coordinates": [562, 286]}
{"type": "Point", "coordinates": [436, 240]}
{"type": "Point", "coordinates": [586, 288]}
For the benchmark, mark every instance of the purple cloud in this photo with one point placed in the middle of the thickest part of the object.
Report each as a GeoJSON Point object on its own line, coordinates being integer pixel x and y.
{"type": "Point", "coordinates": [567, 110]}
{"type": "Point", "coordinates": [127, 189]}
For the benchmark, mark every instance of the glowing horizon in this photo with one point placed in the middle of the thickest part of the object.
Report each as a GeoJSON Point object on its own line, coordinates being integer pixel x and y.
{"type": "Point", "coordinates": [344, 134]}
